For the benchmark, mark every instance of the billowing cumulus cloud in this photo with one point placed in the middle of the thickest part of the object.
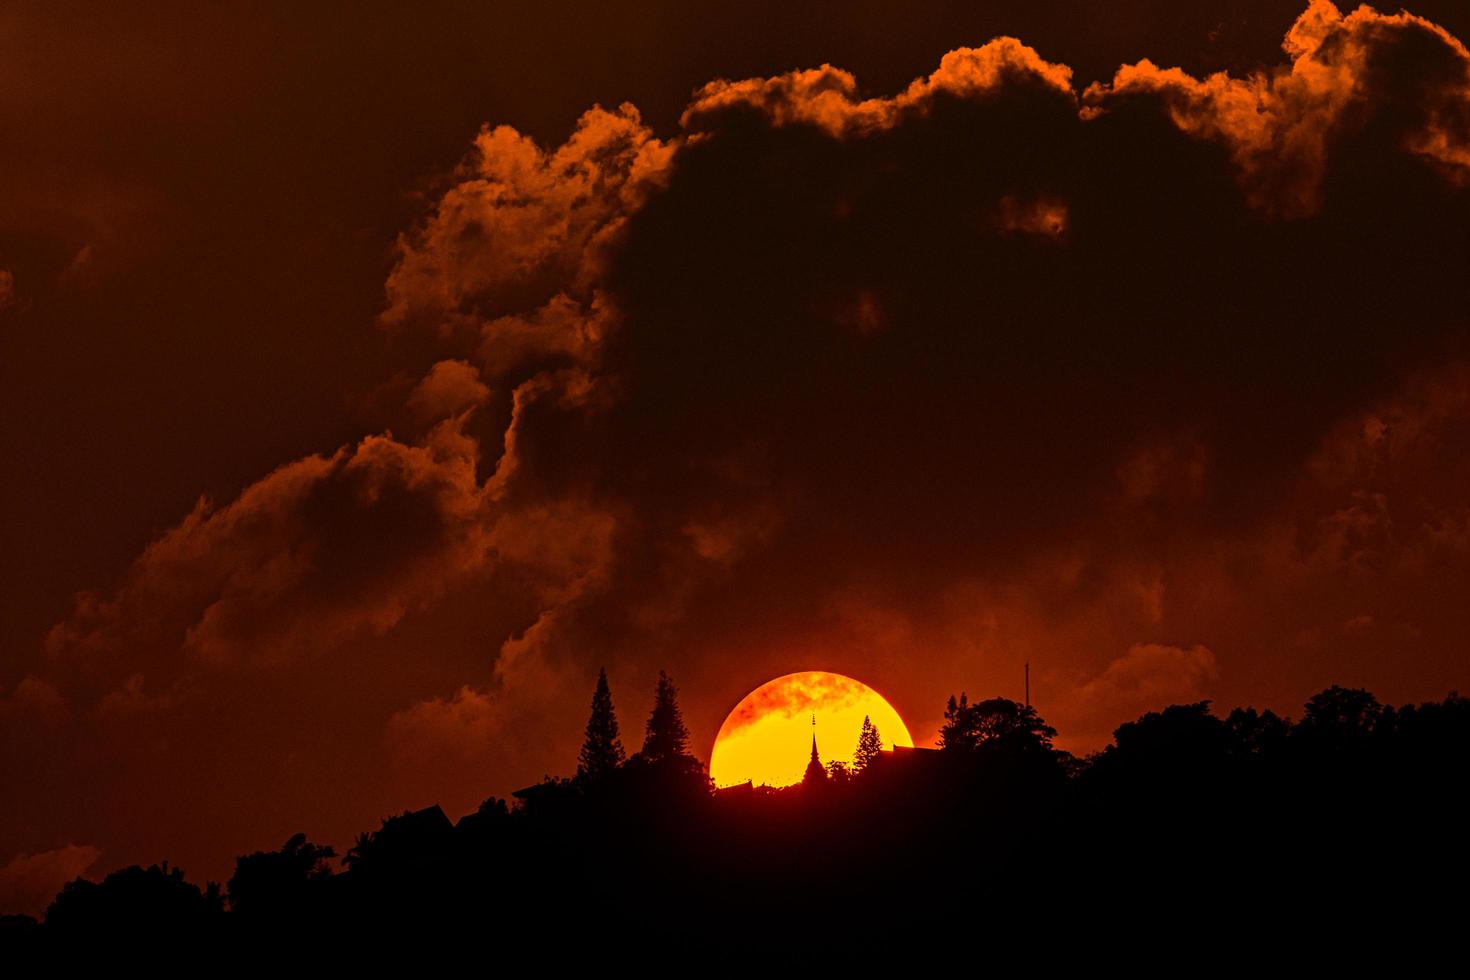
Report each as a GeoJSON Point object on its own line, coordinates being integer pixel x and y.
{"type": "Point", "coordinates": [1152, 386]}
{"type": "Point", "coordinates": [520, 214]}
{"type": "Point", "coordinates": [1348, 75]}
{"type": "Point", "coordinates": [514, 249]}
{"type": "Point", "coordinates": [315, 551]}
{"type": "Point", "coordinates": [827, 97]}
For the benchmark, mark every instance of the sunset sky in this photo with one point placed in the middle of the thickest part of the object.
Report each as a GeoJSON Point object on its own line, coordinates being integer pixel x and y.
{"type": "Point", "coordinates": [370, 377]}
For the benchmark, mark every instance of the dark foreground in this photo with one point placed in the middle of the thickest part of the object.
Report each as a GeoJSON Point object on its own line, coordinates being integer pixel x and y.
{"type": "Point", "coordinates": [1344, 830]}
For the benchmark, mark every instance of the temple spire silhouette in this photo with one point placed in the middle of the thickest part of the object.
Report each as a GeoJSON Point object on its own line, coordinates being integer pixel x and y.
{"type": "Point", "coordinates": [814, 771]}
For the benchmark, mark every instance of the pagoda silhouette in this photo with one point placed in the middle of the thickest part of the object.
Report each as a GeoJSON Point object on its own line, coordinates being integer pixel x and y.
{"type": "Point", "coordinates": [814, 771]}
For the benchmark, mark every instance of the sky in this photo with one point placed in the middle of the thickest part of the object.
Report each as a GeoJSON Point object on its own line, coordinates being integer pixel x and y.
{"type": "Point", "coordinates": [370, 377]}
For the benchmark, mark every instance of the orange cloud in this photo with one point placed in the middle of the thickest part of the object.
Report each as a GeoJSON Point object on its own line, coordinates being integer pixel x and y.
{"type": "Point", "coordinates": [449, 388]}
{"type": "Point", "coordinates": [563, 331]}
{"type": "Point", "coordinates": [827, 97]}
{"type": "Point", "coordinates": [524, 224]}
{"type": "Point", "coordinates": [1345, 73]}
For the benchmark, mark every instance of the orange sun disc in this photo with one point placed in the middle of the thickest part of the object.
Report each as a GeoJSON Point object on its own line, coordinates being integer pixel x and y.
{"type": "Point", "coordinates": [767, 739]}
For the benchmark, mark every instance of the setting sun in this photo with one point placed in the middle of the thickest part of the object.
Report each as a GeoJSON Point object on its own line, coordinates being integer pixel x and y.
{"type": "Point", "coordinates": [767, 739]}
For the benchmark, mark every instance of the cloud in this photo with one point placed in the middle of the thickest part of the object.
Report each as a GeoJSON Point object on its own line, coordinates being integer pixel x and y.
{"type": "Point", "coordinates": [320, 549]}
{"type": "Point", "coordinates": [463, 733]}
{"type": "Point", "coordinates": [522, 224]}
{"type": "Point", "coordinates": [7, 290]}
{"type": "Point", "coordinates": [1348, 74]}
{"type": "Point", "coordinates": [30, 881]}
{"type": "Point", "coordinates": [1045, 216]}
{"type": "Point", "coordinates": [827, 97]}
{"type": "Point", "coordinates": [34, 701]}
{"type": "Point", "coordinates": [452, 749]}
{"type": "Point", "coordinates": [449, 388]}
{"type": "Point", "coordinates": [561, 332]}
{"type": "Point", "coordinates": [1148, 677]}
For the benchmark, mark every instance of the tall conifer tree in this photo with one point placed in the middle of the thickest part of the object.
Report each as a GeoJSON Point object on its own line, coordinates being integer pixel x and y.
{"type": "Point", "coordinates": [665, 736]}
{"type": "Point", "coordinates": [602, 750]}
{"type": "Point", "coordinates": [869, 746]}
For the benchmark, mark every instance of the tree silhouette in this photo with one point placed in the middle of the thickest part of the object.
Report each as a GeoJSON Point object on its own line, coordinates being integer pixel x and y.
{"type": "Point", "coordinates": [1340, 717]}
{"type": "Point", "coordinates": [1183, 807]}
{"type": "Point", "coordinates": [278, 880]}
{"type": "Point", "coordinates": [1184, 743]}
{"type": "Point", "coordinates": [132, 903]}
{"type": "Point", "coordinates": [1256, 733]}
{"type": "Point", "coordinates": [401, 842]}
{"type": "Point", "coordinates": [957, 733]}
{"type": "Point", "coordinates": [360, 852]}
{"type": "Point", "coordinates": [869, 746]}
{"type": "Point", "coordinates": [968, 727]}
{"type": "Point", "coordinates": [665, 736]}
{"type": "Point", "coordinates": [602, 750]}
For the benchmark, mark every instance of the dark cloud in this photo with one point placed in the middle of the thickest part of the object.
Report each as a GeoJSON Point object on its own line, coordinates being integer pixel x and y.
{"type": "Point", "coordinates": [319, 549]}
{"type": "Point", "coordinates": [991, 337]}
{"type": "Point", "coordinates": [822, 329]}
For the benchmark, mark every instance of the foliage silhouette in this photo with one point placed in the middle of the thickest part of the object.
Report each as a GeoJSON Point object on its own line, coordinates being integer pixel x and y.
{"type": "Point", "coordinates": [1186, 821]}
{"type": "Point", "coordinates": [969, 727]}
{"type": "Point", "coordinates": [1340, 719]}
{"type": "Point", "coordinates": [869, 746]}
{"type": "Point", "coordinates": [602, 750]}
{"type": "Point", "coordinates": [278, 882]}
{"type": "Point", "coordinates": [665, 736]}
{"type": "Point", "coordinates": [133, 904]}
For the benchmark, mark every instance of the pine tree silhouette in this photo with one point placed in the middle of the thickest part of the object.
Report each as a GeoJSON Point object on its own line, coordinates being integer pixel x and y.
{"type": "Point", "coordinates": [665, 736]}
{"type": "Point", "coordinates": [869, 746]}
{"type": "Point", "coordinates": [602, 750]}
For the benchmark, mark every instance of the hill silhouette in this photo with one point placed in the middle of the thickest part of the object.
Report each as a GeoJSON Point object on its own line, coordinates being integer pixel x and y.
{"type": "Point", "coordinates": [1245, 826]}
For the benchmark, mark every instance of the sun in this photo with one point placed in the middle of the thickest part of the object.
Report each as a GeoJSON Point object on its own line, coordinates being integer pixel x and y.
{"type": "Point", "coordinates": [767, 739]}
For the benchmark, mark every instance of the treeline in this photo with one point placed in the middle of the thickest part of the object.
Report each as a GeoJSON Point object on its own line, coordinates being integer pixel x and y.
{"type": "Point", "coordinates": [1355, 811]}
